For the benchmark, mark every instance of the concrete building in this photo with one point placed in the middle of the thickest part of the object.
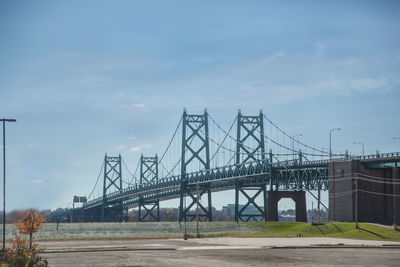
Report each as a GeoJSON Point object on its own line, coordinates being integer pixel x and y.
{"type": "Point", "coordinates": [377, 194]}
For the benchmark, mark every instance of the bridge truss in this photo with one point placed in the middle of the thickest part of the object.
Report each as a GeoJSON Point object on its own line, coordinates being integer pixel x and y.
{"type": "Point", "coordinates": [254, 174]}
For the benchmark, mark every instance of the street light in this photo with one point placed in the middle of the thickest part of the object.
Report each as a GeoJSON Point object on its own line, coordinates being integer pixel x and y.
{"type": "Point", "coordinates": [330, 141]}
{"type": "Point", "coordinates": [4, 179]}
{"type": "Point", "coordinates": [359, 143]}
{"type": "Point", "coordinates": [294, 155]}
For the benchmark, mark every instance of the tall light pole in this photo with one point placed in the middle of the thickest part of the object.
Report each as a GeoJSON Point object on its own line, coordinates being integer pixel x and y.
{"type": "Point", "coordinates": [294, 154]}
{"type": "Point", "coordinates": [4, 179]}
{"type": "Point", "coordinates": [359, 143]}
{"type": "Point", "coordinates": [396, 138]}
{"type": "Point", "coordinates": [330, 141]}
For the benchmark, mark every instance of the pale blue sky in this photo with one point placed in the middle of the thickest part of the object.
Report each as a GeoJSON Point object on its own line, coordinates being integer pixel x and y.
{"type": "Point", "coordinates": [84, 78]}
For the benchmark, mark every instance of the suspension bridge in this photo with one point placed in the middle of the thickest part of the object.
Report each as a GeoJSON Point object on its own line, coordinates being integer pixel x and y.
{"type": "Point", "coordinates": [262, 164]}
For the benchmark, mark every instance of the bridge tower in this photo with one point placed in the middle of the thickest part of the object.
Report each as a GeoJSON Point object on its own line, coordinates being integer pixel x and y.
{"type": "Point", "coordinates": [194, 128]}
{"type": "Point", "coordinates": [149, 173]}
{"type": "Point", "coordinates": [250, 128]}
{"type": "Point", "coordinates": [112, 180]}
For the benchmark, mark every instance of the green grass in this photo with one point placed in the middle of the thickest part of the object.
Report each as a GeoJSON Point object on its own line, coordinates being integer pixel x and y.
{"type": "Point", "coordinates": [133, 230]}
{"type": "Point", "coordinates": [337, 229]}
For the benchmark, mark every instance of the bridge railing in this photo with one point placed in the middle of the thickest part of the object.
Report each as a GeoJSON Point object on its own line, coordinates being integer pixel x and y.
{"type": "Point", "coordinates": [224, 172]}
{"type": "Point", "coordinates": [378, 156]}
{"type": "Point", "coordinates": [218, 173]}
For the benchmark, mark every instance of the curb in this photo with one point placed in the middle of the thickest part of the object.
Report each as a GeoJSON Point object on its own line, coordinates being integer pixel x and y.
{"type": "Point", "coordinates": [102, 249]}
{"type": "Point", "coordinates": [335, 246]}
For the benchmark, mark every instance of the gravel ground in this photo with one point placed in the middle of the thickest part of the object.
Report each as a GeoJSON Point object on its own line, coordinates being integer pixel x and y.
{"type": "Point", "coordinates": [223, 252]}
{"type": "Point", "coordinates": [231, 257]}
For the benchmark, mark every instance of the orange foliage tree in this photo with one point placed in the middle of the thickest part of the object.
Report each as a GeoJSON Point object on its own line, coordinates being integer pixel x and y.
{"type": "Point", "coordinates": [30, 223]}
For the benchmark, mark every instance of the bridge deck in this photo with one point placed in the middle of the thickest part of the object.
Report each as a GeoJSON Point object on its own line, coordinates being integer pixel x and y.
{"type": "Point", "coordinates": [289, 175]}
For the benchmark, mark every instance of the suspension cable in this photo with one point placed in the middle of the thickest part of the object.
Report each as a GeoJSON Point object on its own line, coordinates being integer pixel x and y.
{"type": "Point", "coordinates": [98, 177]}
{"type": "Point", "coordinates": [223, 139]}
{"type": "Point", "coordinates": [230, 136]}
{"type": "Point", "coordinates": [170, 142]}
{"type": "Point", "coordinates": [132, 175]}
{"type": "Point", "coordinates": [291, 137]}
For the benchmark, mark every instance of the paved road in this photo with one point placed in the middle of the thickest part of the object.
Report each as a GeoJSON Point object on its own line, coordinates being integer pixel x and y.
{"type": "Point", "coordinates": [222, 252]}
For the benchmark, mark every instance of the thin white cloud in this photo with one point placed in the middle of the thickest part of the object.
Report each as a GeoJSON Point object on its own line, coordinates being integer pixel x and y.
{"type": "Point", "coordinates": [135, 149]}
{"type": "Point", "coordinates": [369, 84]}
{"type": "Point", "coordinates": [140, 147]}
{"type": "Point", "coordinates": [275, 56]}
{"type": "Point", "coordinates": [120, 147]}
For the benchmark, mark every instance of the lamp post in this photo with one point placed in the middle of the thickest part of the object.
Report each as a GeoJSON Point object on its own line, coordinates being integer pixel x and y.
{"type": "Point", "coordinates": [4, 179]}
{"type": "Point", "coordinates": [396, 138]}
{"type": "Point", "coordinates": [330, 141]}
{"type": "Point", "coordinates": [358, 143]}
{"type": "Point", "coordinates": [294, 154]}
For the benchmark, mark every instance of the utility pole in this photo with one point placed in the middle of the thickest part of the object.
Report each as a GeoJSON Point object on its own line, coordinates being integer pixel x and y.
{"type": "Point", "coordinates": [4, 179]}
{"type": "Point", "coordinates": [184, 218]}
{"type": "Point", "coordinates": [319, 202]}
{"type": "Point", "coordinates": [197, 211]}
{"type": "Point", "coordinates": [294, 153]}
{"type": "Point", "coordinates": [356, 204]}
{"type": "Point", "coordinates": [330, 141]}
{"type": "Point", "coordinates": [362, 144]}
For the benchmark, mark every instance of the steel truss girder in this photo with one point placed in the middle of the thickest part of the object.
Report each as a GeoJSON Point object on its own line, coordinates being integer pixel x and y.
{"type": "Point", "coordinates": [151, 209]}
{"type": "Point", "coordinates": [148, 174]}
{"type": "Point", "coordinates": [148, 169]}
{"type": "Point", "coordinates": [195, 193]}
{"type": "Point", "coordinates": [194, 127]}
{"type": "Point", "coordinates": [301, 178]}
{"type": "Point", "coordinates": [249, 124]}
{"type": "Point", "coordinates": [224, 177]}
{"type": "Point", "coordinates": [112, 178]}
{"type": "Point", "coordinates": [240, 213]}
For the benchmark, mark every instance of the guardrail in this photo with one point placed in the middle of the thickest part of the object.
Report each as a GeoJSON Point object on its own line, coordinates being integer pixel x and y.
{"type": "Point", "coordinates": [227, 172]}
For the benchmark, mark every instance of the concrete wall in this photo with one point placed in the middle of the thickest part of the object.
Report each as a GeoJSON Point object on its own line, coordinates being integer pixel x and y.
{"type": "Point", "coordinates": [377, 206]}
{"type": "Point", "coordinates": [341, 185]}
{"type": "Point", "coordinates": [380, 206]}
{"type": "Point", "coordinates": [396, 191]}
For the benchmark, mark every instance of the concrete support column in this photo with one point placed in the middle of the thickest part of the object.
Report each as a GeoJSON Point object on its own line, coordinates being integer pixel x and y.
{"type": "Point", "coordinates": [301, 210]}
{"type": "Point", "coordinates": [299, 198]}
{"type": "Point", "coordinates": [396, 193]}
{"type": "Point", "coordinates": [272, 210]}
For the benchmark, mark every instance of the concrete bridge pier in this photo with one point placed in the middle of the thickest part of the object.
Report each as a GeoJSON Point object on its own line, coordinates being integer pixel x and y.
{"type": "Point", "coordinates": [299, 197]}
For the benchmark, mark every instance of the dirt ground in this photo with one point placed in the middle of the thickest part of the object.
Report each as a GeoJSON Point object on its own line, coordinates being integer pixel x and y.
{"type": "Point", "coordinates": [219, 252]}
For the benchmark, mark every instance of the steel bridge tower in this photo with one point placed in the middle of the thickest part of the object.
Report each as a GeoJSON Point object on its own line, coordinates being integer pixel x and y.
{"type": "Point", "coordinates": [148, 174]}
{"type": "Point", "coordinates": [194, 127]}
{"type": "Point", "coordinates": [252, 128]}
{"type": "Point", "coordinates": [112, 180]}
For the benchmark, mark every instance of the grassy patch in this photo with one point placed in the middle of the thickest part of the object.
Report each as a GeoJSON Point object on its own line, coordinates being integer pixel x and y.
{"type": "Point", "coordinates": [134, 230]}
{"type": "Point", "coordinates": [333, 229]}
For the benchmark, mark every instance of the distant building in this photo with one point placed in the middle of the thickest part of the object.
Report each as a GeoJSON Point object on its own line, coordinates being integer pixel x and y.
{"type": "Point", "coordinates": [230, 209]}
{"type": "Point", "coordinates": [284, 216]}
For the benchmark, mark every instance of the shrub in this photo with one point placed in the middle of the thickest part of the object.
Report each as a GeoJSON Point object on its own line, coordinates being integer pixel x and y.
{"type": "Point", "coordinates": [20, 255]}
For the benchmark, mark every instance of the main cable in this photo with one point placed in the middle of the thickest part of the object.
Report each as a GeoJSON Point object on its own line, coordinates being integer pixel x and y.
{"type": "Point", "coordinates": [170, 142]}
{"type": "Point", "coordinates": [98, 177]}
